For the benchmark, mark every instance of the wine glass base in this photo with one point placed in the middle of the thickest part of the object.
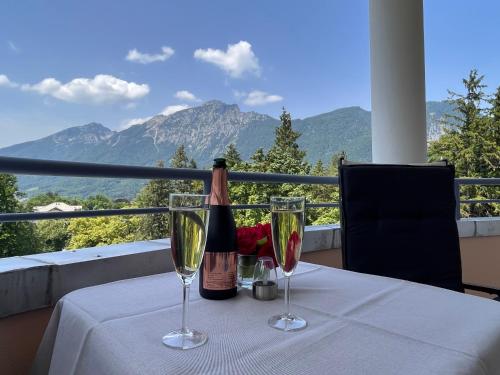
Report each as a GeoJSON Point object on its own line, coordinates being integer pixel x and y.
{"type": "Point", "coordinates": [184, 340]}
{"type": "Point", "coordinates": [287, 322]}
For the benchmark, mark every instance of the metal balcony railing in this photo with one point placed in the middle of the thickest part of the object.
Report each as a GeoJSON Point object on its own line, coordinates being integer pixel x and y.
{"type": "Point", "coordinates": [40, 167]}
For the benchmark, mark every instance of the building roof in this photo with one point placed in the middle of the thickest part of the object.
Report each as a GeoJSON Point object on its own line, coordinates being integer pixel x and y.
{"type": "Point", "coordinates": [57, 206]}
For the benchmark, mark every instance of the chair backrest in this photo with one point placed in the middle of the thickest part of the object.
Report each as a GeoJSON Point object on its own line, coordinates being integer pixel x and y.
{"type": "Point", "coordinates": [399, 221]}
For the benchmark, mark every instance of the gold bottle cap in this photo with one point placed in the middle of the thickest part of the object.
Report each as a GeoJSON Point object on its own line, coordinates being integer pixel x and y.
{"type": "Point", "coordinates": [218, 194]}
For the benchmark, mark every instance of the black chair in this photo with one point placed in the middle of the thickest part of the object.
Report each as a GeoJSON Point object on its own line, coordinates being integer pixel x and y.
{"type": "Point", "coordinates": [399, 221]}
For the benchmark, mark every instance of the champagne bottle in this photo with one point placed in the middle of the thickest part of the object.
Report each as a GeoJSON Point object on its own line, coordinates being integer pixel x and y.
{"type": "Point", "coordinates": [218, 270]}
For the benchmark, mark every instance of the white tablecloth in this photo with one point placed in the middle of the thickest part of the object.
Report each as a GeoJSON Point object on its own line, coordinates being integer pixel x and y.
{"type": "Point", "coordinates": [358, 324]}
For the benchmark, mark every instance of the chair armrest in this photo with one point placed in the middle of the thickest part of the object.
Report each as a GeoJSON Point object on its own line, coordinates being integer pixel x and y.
{"type": "Point", "coordinates": [480, 288]}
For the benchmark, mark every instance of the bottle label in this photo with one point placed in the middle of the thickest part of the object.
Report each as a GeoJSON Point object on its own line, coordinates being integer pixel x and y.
{"type": "Point", "coordinates": [219, 270]}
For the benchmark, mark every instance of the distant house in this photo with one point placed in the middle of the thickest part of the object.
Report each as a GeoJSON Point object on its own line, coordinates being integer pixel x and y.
{"type": "Point", "coordinates": [57, 207]}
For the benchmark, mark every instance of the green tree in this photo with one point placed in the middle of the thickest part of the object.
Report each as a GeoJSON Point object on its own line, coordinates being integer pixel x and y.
{"type": "Point", "coordinates": [16, 238]}
{"type": "Point", "coordinates": [238, 191]}
{"type": "Point", "coordinates": [181, 160]}
{"type": "Point", "coordinates": [285, 155]}
{"type": "Point", "coordinates": [494, 135]}
{"type": "Point", "coordinates": [233, 157]}
{"type": "Point", "coordinates": [156, 194]}
{"type": "Point", "coordinates": [324, 194]}
{"type": "Point", "coordinates": [100, 231]}
{"type": "Point", "coordinates": [471, 142]}
{"type": "Point", "coordinates": [121, 202]}
{"type": "Point", "coordinates": [258, 161]}
{"type": "Point", "coordinates": [98, 202]}
{"type": "Point", "coordinates": [495, 106]}
{"type": "Point", "coordinates": [246, 193]}
{"type": "Point", "coordinates": [333, 168]}
{"type": "Point", "coordinates": [53, 235]}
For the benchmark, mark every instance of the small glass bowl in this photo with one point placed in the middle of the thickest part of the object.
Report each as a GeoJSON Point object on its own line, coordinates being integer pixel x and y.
{"type": "Point", "coordinates": [265, 280]}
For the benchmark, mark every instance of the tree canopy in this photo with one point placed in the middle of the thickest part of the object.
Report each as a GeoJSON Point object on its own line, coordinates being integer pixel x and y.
{"type": "Point", "coordinates": [471, 141]}
{"type": "Point", "coordinates": [16, 238]}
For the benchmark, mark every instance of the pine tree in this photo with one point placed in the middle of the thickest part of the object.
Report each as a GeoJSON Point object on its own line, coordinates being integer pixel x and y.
{"type": "Point", "coordinates": [285, 156]}
{"type": "Point", "coordinates": [495, 108]}
{"type": "Point", "coordinates": [258, 161]}
{"type": "Point", "coordinates": [250, 193]}
{"type": "Point", "coordinates": [233, 157]}
{"type": "Point", "coordinates": [181, 160]}
{"type": "Point", "coordinates": [470, 142]}
{"type": "Point", "coordinates": [468, 106]}
{"type": "Point", "coordinates": [320, 193]}
{"type": "Point", "coordinates": [318, 169]}
{"type": "Point", "coordinates": [494, 135]}
{"type": "Point", "coordinates": [156, 194]}
{"type": "Point", "coordinates": [324, 194]}
{"type": "Point", "coordinates": [333, 168]}
{"type": "Point", "coordinates": [238, 191]}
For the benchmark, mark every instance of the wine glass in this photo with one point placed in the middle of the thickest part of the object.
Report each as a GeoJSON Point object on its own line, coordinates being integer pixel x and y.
{"type": "Point", "coordinates": [287, 225]}
{"type": "Point", "coordinates": [188, 229]}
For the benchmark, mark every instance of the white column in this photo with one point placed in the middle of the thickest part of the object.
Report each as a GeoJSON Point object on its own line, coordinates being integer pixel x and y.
{"type": "Point", "coordinates": [397, 81]}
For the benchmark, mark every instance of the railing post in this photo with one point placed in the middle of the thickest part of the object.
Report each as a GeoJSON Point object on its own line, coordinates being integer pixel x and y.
{"type": "Point", "coordinates": [457, 199]}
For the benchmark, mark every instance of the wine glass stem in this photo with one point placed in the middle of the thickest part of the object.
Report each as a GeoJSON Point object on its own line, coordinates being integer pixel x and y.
{"type": "Point", "coordinates": [287, 295]}
{"type": "Point", "coordinates": [185, 306]}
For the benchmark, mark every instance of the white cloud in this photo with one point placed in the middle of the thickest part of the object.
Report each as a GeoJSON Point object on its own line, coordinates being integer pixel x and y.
{"type": "Point", "coordinates": [186, 95]}
{"type": "Point", "coordinates": [6, 82]}
{"type": "Point", "coordinates": [168, 110]}
{"type": "Point", "coordinates": [145, 58]}
{"type": "Point", "coordinates": [257, 97]}
{"type": "Point", "coordinates": [237, 60]}
{"type": "Point", "coordinates": [101, 89]}
{"type": "Point", "coordinates": [12, 46]}
{"type": "Point", "coordinates": [133, 121]}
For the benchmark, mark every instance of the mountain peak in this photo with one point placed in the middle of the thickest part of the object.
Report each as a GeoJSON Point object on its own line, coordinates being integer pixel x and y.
{"type": "Point", "coordinates": [217, 104]}
{"type": "Point", "coordinates": [91, 133]}
{"type": "Point", "coordinates": [93, 127]}
{"type": "Point", "coordinates": [213, 103]}
{"type": "Point", "coordinates": [90, 128]}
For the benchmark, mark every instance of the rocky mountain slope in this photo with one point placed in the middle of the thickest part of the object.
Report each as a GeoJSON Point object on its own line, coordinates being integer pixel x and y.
{"type": "Point", "coordinates": [205, 131]}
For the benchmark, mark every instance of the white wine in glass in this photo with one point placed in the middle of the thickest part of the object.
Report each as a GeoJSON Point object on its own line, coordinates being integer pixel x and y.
{"type": "Point", "coordinates": [287, 225]}
{"type": "Point", "coordinates": [188, 225]}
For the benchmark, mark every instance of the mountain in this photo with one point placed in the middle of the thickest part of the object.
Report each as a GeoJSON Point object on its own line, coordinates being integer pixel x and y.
{"type": "Point", "coordinates": [345, 129]}
{"type": "Point", "coordinates": [205, 131]}
{"type": "Point", "coordinates": [436, 116]}
{"type": "Point", "coordinates": [75, 143]}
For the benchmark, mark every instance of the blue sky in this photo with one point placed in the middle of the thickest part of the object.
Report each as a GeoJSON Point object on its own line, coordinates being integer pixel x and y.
{"type": "Point", "coordinates": [64, 63]}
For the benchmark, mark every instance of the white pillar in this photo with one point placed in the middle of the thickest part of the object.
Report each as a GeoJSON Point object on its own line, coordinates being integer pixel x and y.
{"type": "Point", "coordinates": [397, 81]}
